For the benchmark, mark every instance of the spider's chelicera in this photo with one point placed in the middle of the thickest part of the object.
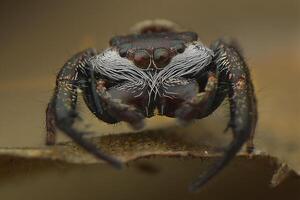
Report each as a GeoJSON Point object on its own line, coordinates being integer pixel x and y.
{"type": "Point", "coordinates": [156, 69]}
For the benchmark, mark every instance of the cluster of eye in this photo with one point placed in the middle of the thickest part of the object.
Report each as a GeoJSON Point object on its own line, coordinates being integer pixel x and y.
{"type": "Point", "coordinates": [160, 57]}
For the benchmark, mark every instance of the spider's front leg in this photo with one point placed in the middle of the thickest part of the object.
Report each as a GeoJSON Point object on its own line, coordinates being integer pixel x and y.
{"type": "Point", "coordinates": [243, 112]}
{"type": "Point", "coordinates": [61, 111]}
{"type": "Point", "coordinates": [243, 105]}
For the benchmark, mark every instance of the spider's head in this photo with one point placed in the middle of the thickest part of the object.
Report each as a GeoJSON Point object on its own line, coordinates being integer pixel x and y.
{"type": "Point", "coordinates": [145, 69]}
{"type": "Point", "coordinates": [152, 51]}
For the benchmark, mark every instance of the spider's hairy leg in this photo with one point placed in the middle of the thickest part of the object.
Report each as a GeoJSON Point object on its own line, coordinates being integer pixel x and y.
{"type": "Point", "coordinates": [240, 89]}
{"type": "Point", "coordinates": [243, 111]}
{"type": "Point", "coordinates": [199, 105]}
{"type": "Point", "coordinates": [61, 111]}
{"type": "Point", "coordinates": [50, 125]}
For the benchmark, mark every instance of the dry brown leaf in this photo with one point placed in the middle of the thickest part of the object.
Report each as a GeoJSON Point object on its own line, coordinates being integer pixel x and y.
{"type": "Point", "coordinates": [133, 148]}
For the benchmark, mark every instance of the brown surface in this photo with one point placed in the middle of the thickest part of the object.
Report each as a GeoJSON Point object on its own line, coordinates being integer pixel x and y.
{"type": "Point", "coordinates": [49, 180]}
{"type": "Point", "coordinates": [159, 164]}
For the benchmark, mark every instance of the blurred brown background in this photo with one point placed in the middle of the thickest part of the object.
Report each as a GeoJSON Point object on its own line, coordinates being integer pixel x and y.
{"type": "Point", "coordinates": [37, 37]}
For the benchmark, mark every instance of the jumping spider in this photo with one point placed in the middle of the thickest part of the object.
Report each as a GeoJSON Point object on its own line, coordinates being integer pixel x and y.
{"type": "Point", "coordinates": [156, 69]}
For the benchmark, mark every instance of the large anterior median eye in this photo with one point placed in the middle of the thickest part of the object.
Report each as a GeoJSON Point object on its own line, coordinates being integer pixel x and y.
{"type": "Point", "coordinates": [141, 58]}
{"type": "Point", "coordinates": [161, 57]}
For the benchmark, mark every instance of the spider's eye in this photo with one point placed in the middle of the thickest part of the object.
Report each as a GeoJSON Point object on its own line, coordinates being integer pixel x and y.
{"type": "Point", "coordinates": [123, 52]}
{"type": "Point", "coordinates": [161, 57]}
{"type": "Point", "coordinates": [141, 59]}
{"type": "Point", "coordinates": [180, 48]}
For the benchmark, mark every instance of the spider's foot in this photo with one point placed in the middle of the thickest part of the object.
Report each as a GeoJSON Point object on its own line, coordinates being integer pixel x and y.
{"type": "Point", "coordinates": [137, 125]}
{"type": "Point", "coordinates": [133, 118]}
{"type": "Point", "coordinates": [50, 126]}
{"type": "Point", "coordinates": [50, 138]}
{"type": "Point", "coordinates": [128, 114]}
{"type": "Point", "coordinates": [250, 150]}
{"type": "Point", "coordinates": [185, 114]}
